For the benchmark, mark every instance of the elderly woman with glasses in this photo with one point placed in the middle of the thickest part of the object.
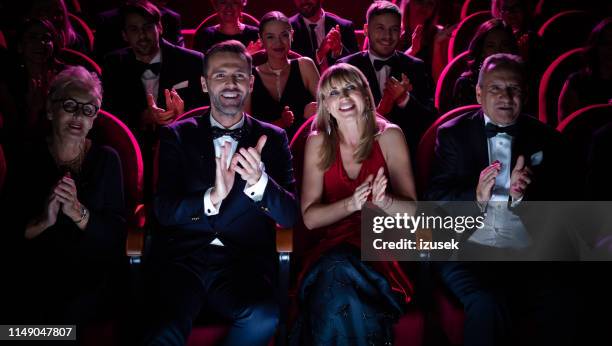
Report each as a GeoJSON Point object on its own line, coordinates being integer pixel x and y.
{"type": "Point", "coordinates": [70, 204]}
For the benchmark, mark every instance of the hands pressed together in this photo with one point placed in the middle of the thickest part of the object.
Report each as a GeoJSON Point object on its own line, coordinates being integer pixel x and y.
{"type": "Point", "coordinates": [520, 178]}
{"type": "Point", "coordinates": [246, 162]}
{"type": "Point", "coordinates": [376, 187]}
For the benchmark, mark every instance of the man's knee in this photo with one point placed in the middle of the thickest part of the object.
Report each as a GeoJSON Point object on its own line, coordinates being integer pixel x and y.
{"type": "Point", "coordinates": [261, 315]}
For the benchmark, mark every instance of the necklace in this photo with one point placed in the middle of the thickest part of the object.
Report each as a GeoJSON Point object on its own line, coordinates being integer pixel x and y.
{"type": "Point", "coordinates": [73, 165]}
{"type": "Point", "coordinates": [277, 73]}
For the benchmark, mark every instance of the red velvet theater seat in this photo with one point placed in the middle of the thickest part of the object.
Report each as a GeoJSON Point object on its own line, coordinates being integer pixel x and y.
{"type": "Point", "coordinates": [73, 57]}
{"type": "Point", "coordinates": [463, 34]}
{"type": "Point", "coordinates": [446, 82]}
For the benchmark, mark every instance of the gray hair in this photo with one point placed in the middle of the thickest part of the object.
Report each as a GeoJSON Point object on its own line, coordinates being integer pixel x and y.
{"type": "Point", "coordinates": [77, 77]}
{"type": "Point", "coordinates": [502, 61]}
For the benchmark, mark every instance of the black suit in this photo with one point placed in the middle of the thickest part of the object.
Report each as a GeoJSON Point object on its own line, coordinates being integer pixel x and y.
{"type": "Point", "coordinates": [490, 298]}
{"type": "Point", "coordinates": [108, 26]}
{"type": "Point", "coordinates": [301, 36]}
{"type": "Point", "coordinates": [125, 95]}
{"type": "Point", "coordinates": [419, 113]}
{"type": "Point", "coordinates": [193, 274]}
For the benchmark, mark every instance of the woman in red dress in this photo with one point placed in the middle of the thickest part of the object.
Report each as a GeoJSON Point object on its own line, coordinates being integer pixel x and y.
{"type": "Point", "coordinates": [351, 157]}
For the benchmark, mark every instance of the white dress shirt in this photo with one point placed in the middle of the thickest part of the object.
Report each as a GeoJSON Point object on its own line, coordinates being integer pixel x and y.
{"type": "Point", "coordinates": [502, 228]}
{"type": "Point", "coordinates": [150, 80]}
{"type": "Point", "coordinates": [383, 74]}
{"type": "Point", "coordinates": [254, 192]}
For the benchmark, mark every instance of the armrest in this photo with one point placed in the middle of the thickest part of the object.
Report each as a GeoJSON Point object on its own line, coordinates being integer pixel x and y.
{"type": "Point", "coordinates": [284, 239]}
{"type": "Point", "coordinates": [134, 246]}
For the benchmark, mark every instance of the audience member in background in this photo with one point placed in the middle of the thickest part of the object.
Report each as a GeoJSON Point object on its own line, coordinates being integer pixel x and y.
{"type": "Point", "coordinates": [24, 80]}
{"type": "Point", "coordinates": [152, 81]}
{"type": "Point", "coordinates": [322, 36]}
{"type": "Point", "coordinates": [109, 27]}
{"type": "Point", "coordinates": [282, 87]}
{"type": "Point", "coordinates": [592, 84]}
{"type": "Point", "coordinates": [401, 85]}
{"type": "Point", "coordinates": [492, 37]}
{"type": "Point", "coordinates": [230, 27]}
{"type": "Point", "coordinates": [599, 185]}
{"type": "Point", "coordinates": [498, 159]}
{"type": "Point", "coordinates": [352, 156]}
{"type": "Point", "coordinates": [55, 11]}
{"type": "Point", "coordinates": [421, 37]}
{"type": "Point", "coordinates": [68, 203]}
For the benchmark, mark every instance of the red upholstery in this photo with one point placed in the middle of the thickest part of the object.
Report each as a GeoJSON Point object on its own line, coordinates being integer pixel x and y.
{"type": "Point", "coordinates": [2, 40]}
{"type": "Point", "coordinates": [463, 34]}
{"type": "Point", "coordinates": [446, 82]}
{"type": "Point", "coordinates": [552, 82]}
{"type": "Point", "coordinates": [580, 126]}
{"type": "Point", "coordinates": [473, 6]}
{"type": "Point", "coordinates": [565, 31]}
{"type": "Point", "coordinates": [82, 29]}
{"type": "Point", "coordinates": [260, 57]}
{"type": "Point", "coordinates": [2, 168]}
{"type": "Point", "coordinates": [208, 21]}
{"type": "Point", "coordinates": [409, 329]}
{"type": "Point", "coordinates": [425, 151]}
{"type": "Point", "coordinates": [73, 57]}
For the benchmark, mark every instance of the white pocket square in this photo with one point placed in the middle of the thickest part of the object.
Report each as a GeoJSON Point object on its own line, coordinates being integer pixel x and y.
{"type": "Point", "coordinates": [537, 158]}
{"type": "Point", "coordinates": [181, 85]}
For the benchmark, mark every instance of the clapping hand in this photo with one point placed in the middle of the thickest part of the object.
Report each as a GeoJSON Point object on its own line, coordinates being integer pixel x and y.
{"type": "Point", "coordinates": [66, 193]}
{"type": "Point", "coordinates": [287, 117]}
{"type": "Point", "coordinates": [360, 196]}
{"type": "Point", "coordinates": [254, 46]}
{"type": "Point", "coordinates": [247, 162]}
{"type": "Point", "coordinates": [397, 90]}
{"type": "Point", "coordinates": [160, 116]}
{"type": "Point", "coordinates": [520, 178]}
{"type": "Point", "coordinates": [224, 176]}
{"type": "Point", "coordinates": [486, 182]}
{"type": "Point", "coordinates": [379, 188]}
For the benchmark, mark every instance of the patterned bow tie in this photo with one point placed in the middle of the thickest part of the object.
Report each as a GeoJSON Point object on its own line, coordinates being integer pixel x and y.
{"type": "Point", "coordinates": [154, 67]}
{"type": "Point", "coordinates": [236, 134]}
{"type": "Point", "coordinates": [492, 130]}
{"type": "Point", "coordinates": [379, 64]}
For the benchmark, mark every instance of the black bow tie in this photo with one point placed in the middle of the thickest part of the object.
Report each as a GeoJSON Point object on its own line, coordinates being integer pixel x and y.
{"type": "Point", "coordinates": [492, 130]}
{"type": "Point", "coordinates": [236, 134]}
{"type": "Point", "coordinates": [154, 67]}
{"type": "Point", "coordinates": [379, 64]}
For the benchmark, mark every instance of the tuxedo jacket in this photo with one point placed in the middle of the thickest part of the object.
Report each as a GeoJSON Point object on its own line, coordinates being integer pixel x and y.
{"type": "Point", "coordinates": [125, 95]}
{"type": "Point", "coordinates": [462, 152]}
{"type": "Point", "coordinates": [419, 113]}
{"type": "Point", "coordinates": [301, 36]}
{"type": "Point", "coordinates": [108, 26]}
{"type": "Point", "coordinates": [187, 171]}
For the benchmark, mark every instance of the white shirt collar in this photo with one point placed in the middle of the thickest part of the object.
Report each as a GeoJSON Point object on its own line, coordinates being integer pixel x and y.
{"type": "Point", "coordinates": [215, 123]}
{"type": "Point", "coordinates": [488, 120]}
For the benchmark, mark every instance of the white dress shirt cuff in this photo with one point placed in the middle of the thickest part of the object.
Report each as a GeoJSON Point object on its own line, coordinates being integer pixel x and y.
{"type": "Point", "coordinates": [209, 208]}
{"type": "Point", "coordinates": [515, 202]}
{"type": "Point", "coordinates": [256, 191]}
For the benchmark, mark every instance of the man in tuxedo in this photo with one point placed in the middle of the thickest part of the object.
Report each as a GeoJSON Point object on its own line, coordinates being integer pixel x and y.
{"type": "Point", "coordinates": [401, 85]}
{"type": "Point", "coordinates": [499, 159]}
{"type": "Point", "coordinates": [225, 180]}
{"type": "Point", "coordinates": [322, 36]}
{"type": "Point", "coordinates": [109, 26]}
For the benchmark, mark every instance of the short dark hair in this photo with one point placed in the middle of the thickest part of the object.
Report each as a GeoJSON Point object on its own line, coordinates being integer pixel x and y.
{"type": "Point", "coordinates": [381, 7]}
{"type": "Point", "coordinates": [271, 17]}
{"type": "Point", "coordinates": [476, 47]}
{"type": "Point", "coordinates": [503, 61]}
{"type": "Point", "coordinates": [142, 8]}
{"type": "Point", "coordinates": [230, 46]}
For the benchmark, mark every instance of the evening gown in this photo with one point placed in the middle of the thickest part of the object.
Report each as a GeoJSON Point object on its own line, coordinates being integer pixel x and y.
{"type": "Point", "coordinates": [295, 95]}
{"type": "Point", "coordinates": [342, 300]}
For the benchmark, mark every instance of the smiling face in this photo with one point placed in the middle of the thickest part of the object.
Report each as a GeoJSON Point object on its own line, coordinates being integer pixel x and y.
{"type": "Point", "coordinates": [501, 95]}
{"type": "Point", "coordinates": [73, 125]}
{"type": "Point", "coordinates": [228, 83]}
{"type": "Point", "coordinates": [308, 8]}
{"type": "Point", "coordinates": [383, 32]}
{"type": "Point", "coordinates": [229, 11]}
{"type": "Point", "coordinates": [344, 95]}
{"type": "Point", "coordinates": [276, 38]}
{"type": "Point", "coordinates": [37, 44]}
{"type": "Point", "coordinates": [142, 35]}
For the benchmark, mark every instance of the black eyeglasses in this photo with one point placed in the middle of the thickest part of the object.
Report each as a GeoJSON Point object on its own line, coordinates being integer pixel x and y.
{"type": "Point", "coordinates": [72, 106]}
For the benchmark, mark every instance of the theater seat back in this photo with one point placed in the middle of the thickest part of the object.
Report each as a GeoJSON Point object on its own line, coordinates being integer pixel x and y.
{"type": "Point", "coordinates": [463, 34]}
{"type": "Point", "coordinates": [446, 82]}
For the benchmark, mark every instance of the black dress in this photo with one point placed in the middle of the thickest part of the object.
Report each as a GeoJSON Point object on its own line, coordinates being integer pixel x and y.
{"type": "Point", "coordinates": [206, 38]}
{"type": "Point", "coordinates": [295, 95]}
{"type": "Point", "coordinates": [66, 273]}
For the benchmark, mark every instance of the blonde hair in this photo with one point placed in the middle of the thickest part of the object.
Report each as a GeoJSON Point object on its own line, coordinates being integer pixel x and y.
{"type": "Point", "coordinates": [326, 125]}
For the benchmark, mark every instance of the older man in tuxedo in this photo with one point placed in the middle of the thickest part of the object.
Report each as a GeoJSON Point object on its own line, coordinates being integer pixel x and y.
{"type": "Point", "coordinates": [499, 159]}
{"type": "Point", "coordinates": [225, 180]}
